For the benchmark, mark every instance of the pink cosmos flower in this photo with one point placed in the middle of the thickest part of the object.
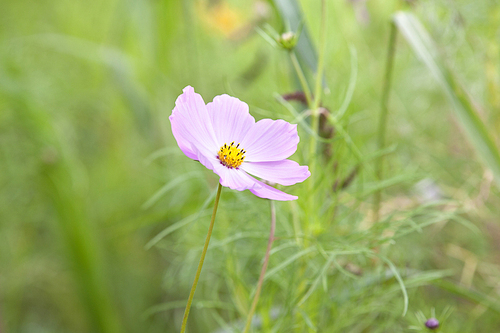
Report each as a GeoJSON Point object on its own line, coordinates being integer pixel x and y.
{"type": "Point", "coordinates": [225, 138]}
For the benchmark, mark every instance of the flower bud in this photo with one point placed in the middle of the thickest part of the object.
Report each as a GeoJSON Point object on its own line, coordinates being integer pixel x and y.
{"type": "Point", "coordinates": [288, 40]}
{"type": "Point", "coordinates": [432, 323]}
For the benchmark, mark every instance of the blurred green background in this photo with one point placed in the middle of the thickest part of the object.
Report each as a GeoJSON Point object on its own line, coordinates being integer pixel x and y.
{"type": "Point", "coordinates": [102, 218]}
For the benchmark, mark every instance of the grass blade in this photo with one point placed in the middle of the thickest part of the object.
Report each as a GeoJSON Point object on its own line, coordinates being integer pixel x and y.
{"type": "Point", "coordinates": [478, 134]}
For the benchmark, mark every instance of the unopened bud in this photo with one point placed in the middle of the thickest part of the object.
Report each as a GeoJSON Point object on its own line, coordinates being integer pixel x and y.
{"type": "Point", "coordinates": [432, 323]}
{"type": "Point", "coordinates": [288, 40]}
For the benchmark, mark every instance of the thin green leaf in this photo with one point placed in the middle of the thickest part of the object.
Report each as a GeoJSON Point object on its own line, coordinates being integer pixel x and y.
{"type": "Point", "coordinates": [400, 281]}
{"type": "Point", "coordinates": [288, 262]}
{"type": "Point", "coordinates": [266, 37]}
{"type": "Point", "coordinates": [317, 280]}
{"type": "Point", "coordinates": [352, 84]}
{"type": "Point", "coordinates": [170, 185]}
{"type": "Point", "coordinates": [307, 320]}
{"type": "Point", "coordinates": [167, 231]}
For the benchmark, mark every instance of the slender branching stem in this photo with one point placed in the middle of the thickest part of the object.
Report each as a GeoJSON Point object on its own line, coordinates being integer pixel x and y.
{"type": "Point", "coordinates": [382, 125]}
{"type": "Point", "coordinates": [264, 268]}
{"type": "Point", "coordinates": [202, 259]}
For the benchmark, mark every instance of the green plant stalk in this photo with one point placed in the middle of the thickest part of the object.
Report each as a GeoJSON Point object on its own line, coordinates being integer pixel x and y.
{"type": "Point", "coordinates": [314, 107]}
{"type": "Point", "coordinates": [202, 259]}
{"type": "Point", "coordinates": [307, 93]}
{"type": "Point", "coordinates": [264, 268]}
{"type": "Point", "coordinates": [382, 125]}
{"type": "Point", "coordinates": [321, 57]}
{"type": "Point", "coordinates": [302, 77]}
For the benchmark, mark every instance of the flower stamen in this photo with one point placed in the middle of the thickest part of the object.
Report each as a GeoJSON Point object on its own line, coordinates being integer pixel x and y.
{"type": "Point", "coordinates": [231, 156]}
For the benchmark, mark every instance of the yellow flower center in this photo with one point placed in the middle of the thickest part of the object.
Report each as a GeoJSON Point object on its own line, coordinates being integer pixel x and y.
{"type": "Point", "coordinates": [231, 156]}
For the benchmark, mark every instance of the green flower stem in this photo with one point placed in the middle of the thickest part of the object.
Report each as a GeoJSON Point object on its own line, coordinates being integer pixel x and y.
{"type": "Point", "coordinates": [302, 78]}
{"type": "Point", "coordinates": [264, 268]}
{"type": "Point", "coordinates": [383, 118]}
{"type": "Point", "coordinates": [200, 265]}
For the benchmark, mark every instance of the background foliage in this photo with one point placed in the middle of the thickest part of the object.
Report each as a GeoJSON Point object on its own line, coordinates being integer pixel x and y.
{"type": "Point", "coordinates": [102, 218]}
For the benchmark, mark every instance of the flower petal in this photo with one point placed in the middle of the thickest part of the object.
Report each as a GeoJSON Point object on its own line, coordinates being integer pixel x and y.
{"type": "Point", "coordinates": [268, 192]}
{"type": "Point", "coordinates": [235, 179]}
{"type": "Point", "coordinates": [230, 119]}
{"type": "Point", "coordinates": [208, 161]}
{"type": "Point", "coordinates": [285, 172]}
{"type": "Point", "coordinates": [191, 125]}
{"type": "Point", "coordinates": [270, 140]}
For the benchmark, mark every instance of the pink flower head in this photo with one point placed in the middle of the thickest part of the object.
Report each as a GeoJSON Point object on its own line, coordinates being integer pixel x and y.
{"type": "Point", "coordinates": [225, 138]}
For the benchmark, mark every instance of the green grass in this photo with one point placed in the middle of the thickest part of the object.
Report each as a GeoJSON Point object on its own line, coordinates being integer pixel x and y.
{"type": "Point", "coordinates": [102, 218]}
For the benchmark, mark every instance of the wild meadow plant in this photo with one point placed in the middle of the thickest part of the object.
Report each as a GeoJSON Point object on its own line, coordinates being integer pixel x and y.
{"type": "Point", "coordinates": [224, 137]}
{"type": "Point", "coordinates": [208, 134]}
